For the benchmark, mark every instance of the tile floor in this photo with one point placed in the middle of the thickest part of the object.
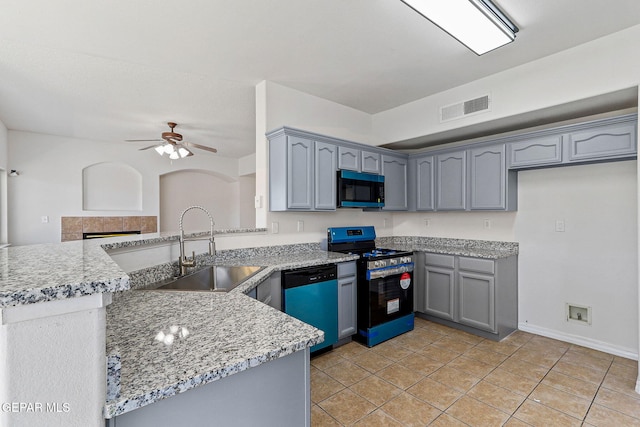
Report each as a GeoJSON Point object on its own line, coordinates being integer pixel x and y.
{"type": "Point", "coordinates": [438, 376]}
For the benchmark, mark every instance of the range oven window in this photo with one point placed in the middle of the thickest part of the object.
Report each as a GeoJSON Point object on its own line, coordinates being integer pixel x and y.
{"type": "Point", "coordinates": [390, 298]}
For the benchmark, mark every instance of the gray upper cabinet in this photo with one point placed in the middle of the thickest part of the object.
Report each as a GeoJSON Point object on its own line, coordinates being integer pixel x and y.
{"type": "Point", "coordinates": [349, 158]}
{"type": "Point", "coordinates": [451, 177]}
{"type": "Point", "coordinates": [491, 186]}
{"type": "Point", "coordinates": [394, 169]}
{"type": "Point", "coordinates": [370, 162]}
{"type": "Point", "coordinates": [325, 176]}
{"type": "Point", "coordinates": [603, 142]}
{"type": "Point", "coordinates": [424, 183]}
{"type": "Point", "coordinates": [300, 173]}
{"type": "Point", "coordinates": [536, 152]}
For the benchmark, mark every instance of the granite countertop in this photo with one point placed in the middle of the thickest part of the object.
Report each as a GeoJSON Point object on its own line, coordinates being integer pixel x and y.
{"type": "Point", "coordinates": [47, 272]}
{"type": "Point", "coordinates": [227, 332]}
{"type": "Point", "coordinates": [472, 248]}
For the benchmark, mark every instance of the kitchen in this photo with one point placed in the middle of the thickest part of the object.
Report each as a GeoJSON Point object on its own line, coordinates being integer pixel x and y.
{"type": "Point", "coordinates": [611, 223]}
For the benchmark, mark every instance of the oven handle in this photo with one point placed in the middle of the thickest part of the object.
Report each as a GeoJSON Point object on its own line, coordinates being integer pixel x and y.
{"type": "Point", "coordinates": [393, 270]}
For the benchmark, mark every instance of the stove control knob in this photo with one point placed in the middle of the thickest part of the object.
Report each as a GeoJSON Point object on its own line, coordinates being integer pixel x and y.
{"type": "Point", "coordinates": [394, 261]}
{"type": "Point", "coordinates": [378, 264]}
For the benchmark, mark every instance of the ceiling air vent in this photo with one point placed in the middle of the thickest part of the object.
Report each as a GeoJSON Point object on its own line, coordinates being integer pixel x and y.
{"type": "Point", "coordinates": [464, 108]}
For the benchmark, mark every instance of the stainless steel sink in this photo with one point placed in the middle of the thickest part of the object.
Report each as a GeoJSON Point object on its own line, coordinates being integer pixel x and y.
{"type": "Point", "coordinates": [216, 278]}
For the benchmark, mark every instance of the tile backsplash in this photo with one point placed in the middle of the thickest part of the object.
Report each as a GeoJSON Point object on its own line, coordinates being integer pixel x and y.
{"type": "Point", "coordinates": [74, 226]}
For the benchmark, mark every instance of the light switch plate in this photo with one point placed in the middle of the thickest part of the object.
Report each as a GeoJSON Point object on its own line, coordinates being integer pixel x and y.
{"type": "Point", "coordinates": [257, 202]}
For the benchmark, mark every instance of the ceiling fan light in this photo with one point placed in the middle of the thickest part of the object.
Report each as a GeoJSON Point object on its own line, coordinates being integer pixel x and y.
{"type": "Point", "coordinates": [174, 155]}
{"type": "Point", "coordinates": [159, 149]}
{"type": "Point", "coordinates": [169, 149]}
{"type": "Point", "coordinates": [183, 152]}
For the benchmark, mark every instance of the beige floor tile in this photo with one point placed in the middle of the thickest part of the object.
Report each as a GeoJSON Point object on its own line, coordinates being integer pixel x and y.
{"type": "Point", "coordinates": [412, 340]}
{"type": "Point", "coordinates": [618, 402]}
{"type": "Point", "coordinates": [548, 343]}
{"type": "Point", "coordinates": [453, 344]}
{"type": "Point", "coordinates": [371, 361]}
{"type": "Point", "coordinates": [582, 373]}
{"type": "Point", "coordinates": [622, 370]}
{"type": "Point", "coordinates": [323, 386]}
{"type": "Point", "coordinates": [624, 361]}
{"type": "Point", "coordinates": [326, 360]}
{"type": "Point", "coordinates": [435, 393]}
{"type": "Point", "coordinates": [586, 361]}
{"type": "Point", "coordinates": [319, 418]}
{"type": "Point", "coordinates": [466, 337]}
{"type": "Point", "coordinates": [498, 347]}
{"type": "Point", "coordinates": [538, 357]}
{"type": "Point", "coordinates": [347, 407]}
{"type": "Point", "coordinates": [438, 353]}
{"type": "Point", "coordinates": [604, 417]}
{"type": "Point", "coordinates": [436, 327]}
{"type": "Point", "coordinates": [580, 388]}
{"type": "Point", "coordinates": [472, 366]}
{"type": "Point", "coordinates": [565, 402]}
{"type": "Point", "coordinates": [476, 413]}
{"type": "Point", "coordinates": [410, 411]}
{"type": "Point", "coordinates": [621, 385]}
{"type": "Point", "coordinates": [591, 352]}
{"type": "Point", "coordinates": [498, 397]}
{"type": "Point", "coordinates": [399, 376]}
{"type": "Point", "coordinates": [455, 378]}
{"type": "Point", "coordinates": [347, 373]}
{"type": "Point", "coordinates": [391, 351]}
{"type": "Point", "coordinates": [351, 350]}
{"type": "Point", "coordinates": [514, 422]}
{"type": "Point", "coordinates": [518, 338]}
{"type": "Point", "coordinates": [537, 414]}
{"type": "Point", "coordinates": [378, 419]}
{"type": "Point", "coordinates": [421, 364]}
{"type": "Point", "coordinates": [446, 420]}
{"type": "Point", "coordinates": [524, 369]}
{"type": "Point", "coordinates": [489, 357]}
{"type": "Point", "coordinates": [505, 379]}
{"type": "Point", "coordinates": [376, 390]}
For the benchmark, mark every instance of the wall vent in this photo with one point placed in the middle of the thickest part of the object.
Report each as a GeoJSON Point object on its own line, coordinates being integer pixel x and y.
{"type": "Point", "coordinates": [464, 108]}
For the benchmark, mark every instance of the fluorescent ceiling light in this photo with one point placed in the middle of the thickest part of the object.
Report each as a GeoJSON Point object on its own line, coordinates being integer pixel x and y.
{"type": "Point", "coordinates": [477, 24]}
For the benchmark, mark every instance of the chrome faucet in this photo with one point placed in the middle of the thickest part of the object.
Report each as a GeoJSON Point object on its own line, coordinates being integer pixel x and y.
{"type": "Point", "coordinates": [185, 262]}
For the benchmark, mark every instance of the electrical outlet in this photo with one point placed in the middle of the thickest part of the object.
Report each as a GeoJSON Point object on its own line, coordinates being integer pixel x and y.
{"type": "Point", "coordinates": [257, 202]}
{"type": "Point", "coordinates": [560, 225]}
{"type": "Point", "coordinates": [427, 222]}
{"type": "Point", "coordinates": [300, 225]}
{"type": "Point", "coordinates": [275, 228]}
{"type": "Point", "coordinates": [45, 219]}
{"type": "Point", "coordinates": [486, 224]}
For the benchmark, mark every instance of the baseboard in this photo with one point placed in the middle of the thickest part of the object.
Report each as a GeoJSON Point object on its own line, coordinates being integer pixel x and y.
{"type": "Point", "coordinates": [578, 340]}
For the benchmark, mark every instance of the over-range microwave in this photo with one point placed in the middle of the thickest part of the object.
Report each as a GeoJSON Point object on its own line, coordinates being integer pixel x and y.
{"type": "Point", "coordinates": [360, 190]}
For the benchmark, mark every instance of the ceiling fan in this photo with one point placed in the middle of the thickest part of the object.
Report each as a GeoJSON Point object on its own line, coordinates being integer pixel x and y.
{"type": "Point", "coordinates": [173, 145]}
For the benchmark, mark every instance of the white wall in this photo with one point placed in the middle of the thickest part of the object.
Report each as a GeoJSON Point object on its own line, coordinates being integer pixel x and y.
{"type": "Point", "coordinates": [593, 263]}
{"type": "Point", "coordinates": [50, 181]}
{"type": "Point", "coordinates": [4, 154]}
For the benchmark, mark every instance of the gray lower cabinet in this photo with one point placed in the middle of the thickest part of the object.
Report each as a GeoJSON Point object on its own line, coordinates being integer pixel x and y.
{"type": "Point", "coordinates": [473, 294]}
{"type": "Point", "coordinates": [395, 171]}
{"type": "Point", "coordinates": [347, 299]}
{"type": "Point", "coordinates": [451, 181]}
{"type": "Point", "coordinates": [270, 291]}
{"type": "Point", "coordinates": [302, 174]}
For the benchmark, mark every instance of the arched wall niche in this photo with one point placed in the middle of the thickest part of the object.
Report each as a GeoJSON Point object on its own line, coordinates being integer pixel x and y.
{"type": "Point", "coordinates": [111, 186]}
{"type": "Point", "coordinates": [220, 194]}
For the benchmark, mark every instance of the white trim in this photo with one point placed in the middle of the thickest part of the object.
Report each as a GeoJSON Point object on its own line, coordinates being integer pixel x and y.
{"type": "Point", "coordinates": [579, 340]}
{"type": "Point", "coordinates": [21, 313]}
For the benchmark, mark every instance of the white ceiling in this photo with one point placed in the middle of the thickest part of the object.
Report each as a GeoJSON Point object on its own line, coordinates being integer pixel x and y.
{"type": "Point", "coordinates": [115, 70]}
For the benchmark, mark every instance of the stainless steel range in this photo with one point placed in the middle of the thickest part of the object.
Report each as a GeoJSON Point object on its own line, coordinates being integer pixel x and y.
{"type": "Point", "coordinates": [385, 284]}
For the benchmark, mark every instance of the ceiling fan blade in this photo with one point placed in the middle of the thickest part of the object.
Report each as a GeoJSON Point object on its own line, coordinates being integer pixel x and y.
{"type": "Point", "coordinates": [146, 148]}
{"type": "Point", "coordinates": [202, 147]}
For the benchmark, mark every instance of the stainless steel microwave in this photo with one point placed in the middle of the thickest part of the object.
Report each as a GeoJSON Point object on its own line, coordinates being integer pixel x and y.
{"type": "Point", "coordinates": [360, 190]}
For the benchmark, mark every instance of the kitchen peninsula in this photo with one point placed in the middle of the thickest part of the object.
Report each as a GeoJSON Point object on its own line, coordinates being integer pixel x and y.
{"type": "Point", "coordinates": [168, 353]}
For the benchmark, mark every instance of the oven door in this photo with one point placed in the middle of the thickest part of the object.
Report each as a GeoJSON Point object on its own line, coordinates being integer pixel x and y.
{"type": "Point", "coordinates": [385, 298]}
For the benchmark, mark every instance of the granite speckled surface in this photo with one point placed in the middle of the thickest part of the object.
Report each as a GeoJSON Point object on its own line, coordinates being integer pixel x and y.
{"type": "Point", "coordinates": [47, 272]}
{"type": "Point", "coordinates": [170, 342]}
{"type": "Point", "coordinates": [488, 249]}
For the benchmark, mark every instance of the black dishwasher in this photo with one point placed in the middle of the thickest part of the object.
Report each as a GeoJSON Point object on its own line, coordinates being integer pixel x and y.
{"type": "Point", "coordinates": [310, 294]}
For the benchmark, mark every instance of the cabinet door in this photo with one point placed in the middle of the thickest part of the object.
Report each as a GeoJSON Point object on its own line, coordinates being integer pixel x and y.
{"type": "Point", "coordinates": [451, 181]}
{"type": "Point", "coordinates": [347, 300]}
{"type": "Point", "coordinates": [425, 183]}
{"type": "Point", "coordinates": [325, 176]}
{"type": "Point", "coordinates": [299, 173]}
{"type": "Point", "coordinates": [477, 300]}
{"type": "Point", "coordinates": [349, 158]}
{"type": "Point", "coordinates": [370, 162]}
{"type": "Point", "coordinates": [439, 292]}
{"type": "Point", "coordinates": [602, 142]}
{"type": "Point", "coordinates": [488, 178]}
{"type": "Point", "coordinates": [536, 152]}
{"type": "Point", "coordinates": [394, 170]}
